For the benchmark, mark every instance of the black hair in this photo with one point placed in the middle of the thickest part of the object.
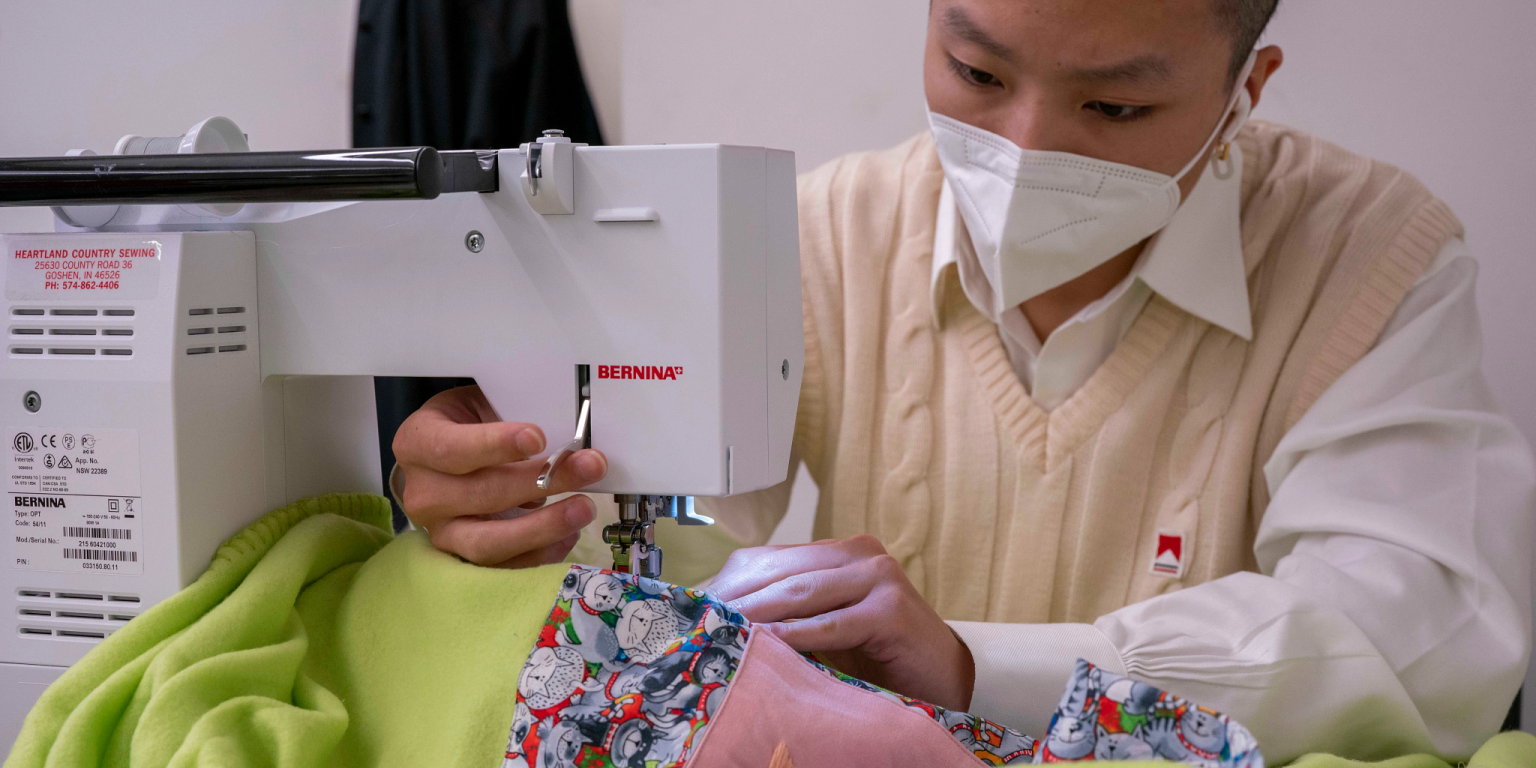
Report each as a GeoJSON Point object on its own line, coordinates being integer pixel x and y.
{"type": "Point", "coordinates": [1245, 20]}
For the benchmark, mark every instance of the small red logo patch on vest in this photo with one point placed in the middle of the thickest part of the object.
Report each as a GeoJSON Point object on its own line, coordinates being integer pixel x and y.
{"type": "Point", "coordinates": [1168, 558]}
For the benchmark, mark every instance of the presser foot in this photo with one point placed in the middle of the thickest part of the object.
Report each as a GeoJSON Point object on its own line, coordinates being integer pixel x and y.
{"type": "Point", "coordinates": [634, 548]}
{"type": "Point", "coordinates": [633, 538]}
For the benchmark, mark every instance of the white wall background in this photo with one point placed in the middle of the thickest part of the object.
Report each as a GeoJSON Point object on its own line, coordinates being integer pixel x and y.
{"type": "Point", "coordinates": [818, 77]}
{"type": "Point", "coordinates": [81, 73]}
{"type": "Point", "coordinates": [1444, 88]}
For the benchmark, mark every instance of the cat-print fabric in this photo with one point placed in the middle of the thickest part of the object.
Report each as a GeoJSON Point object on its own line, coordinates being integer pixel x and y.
{"type": "Point", "coordinates": [627, 672]}
{"type": "Point", "coordinates": [1103, 716]}
{"type": "Point", "coordinates": [631, 672]}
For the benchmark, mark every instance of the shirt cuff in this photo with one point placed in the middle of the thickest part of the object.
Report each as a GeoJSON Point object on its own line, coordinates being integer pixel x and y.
{"type": "Point", "coordinates": [1022, 669]}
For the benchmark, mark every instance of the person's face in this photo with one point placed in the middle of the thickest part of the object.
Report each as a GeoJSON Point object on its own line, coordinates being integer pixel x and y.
{"type": "Point", "coordinates": [1128, 81]}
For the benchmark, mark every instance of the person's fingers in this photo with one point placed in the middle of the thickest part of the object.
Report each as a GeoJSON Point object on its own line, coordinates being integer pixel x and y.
{"type": "Point", "coordinates": [749, 570]}
{"type": "Point", "coordinates": [546, 555]}
{"type": "Point", "coordinates": [489, 542]}
{"type": "Point", "coordinates": [444, 446]}
{"type": "Point", "coordinates": [446, 435]}
{"type": "Point", "coordinates": [465, 404]}
{"type": "Point", "coordinates": [810, 594]}
{"type": "Point", "coordinates": [838, 630]}
{"type": "Point", "coordinates": [431, 498]}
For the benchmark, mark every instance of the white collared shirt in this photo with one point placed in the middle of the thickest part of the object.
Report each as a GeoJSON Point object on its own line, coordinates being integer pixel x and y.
{"type": "Point", "coordinates": [1394, 595]}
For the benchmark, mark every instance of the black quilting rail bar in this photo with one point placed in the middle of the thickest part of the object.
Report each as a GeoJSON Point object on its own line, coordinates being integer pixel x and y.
{"type": "Point", "coordinates": [246, 177]}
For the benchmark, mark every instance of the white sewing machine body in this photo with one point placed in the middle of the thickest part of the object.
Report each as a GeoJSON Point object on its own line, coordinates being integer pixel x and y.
{"type": "Point", "coordinates": [171, 375]}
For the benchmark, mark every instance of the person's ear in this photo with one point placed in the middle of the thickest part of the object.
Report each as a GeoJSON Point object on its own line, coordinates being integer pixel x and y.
{"type": "Point", "coordinates": [1266, 62]}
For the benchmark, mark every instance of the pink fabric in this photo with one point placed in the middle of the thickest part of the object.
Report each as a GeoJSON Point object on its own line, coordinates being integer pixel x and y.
{"type": "Point", "coordinates": [777, 698]}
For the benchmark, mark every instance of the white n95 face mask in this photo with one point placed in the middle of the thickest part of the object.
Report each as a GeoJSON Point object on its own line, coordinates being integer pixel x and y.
{"type": "Point", "coordinates": [1039, 219]}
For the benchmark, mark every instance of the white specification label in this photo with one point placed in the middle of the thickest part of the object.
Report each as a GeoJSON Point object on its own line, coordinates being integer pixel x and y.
{"type": "Point", "coordinates": [39, 269]}
{"type": "Point", "coordinates": [74, 497]}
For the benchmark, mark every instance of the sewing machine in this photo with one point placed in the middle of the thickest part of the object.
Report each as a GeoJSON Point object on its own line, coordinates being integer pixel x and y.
{"type": "Point", "coordinates": [195, 343]}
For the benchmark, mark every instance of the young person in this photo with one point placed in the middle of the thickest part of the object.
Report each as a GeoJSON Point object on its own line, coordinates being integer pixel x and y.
{"type": "Point", "coordinates": [1098, 369]}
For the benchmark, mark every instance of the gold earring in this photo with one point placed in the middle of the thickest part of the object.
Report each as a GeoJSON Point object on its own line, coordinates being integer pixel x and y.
{"type": "Point", "coordinates": [1226, 149]}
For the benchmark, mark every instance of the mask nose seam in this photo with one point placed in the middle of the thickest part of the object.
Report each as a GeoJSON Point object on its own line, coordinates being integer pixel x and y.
{"type": "Point", "coordinates": [973, 134]}
{"type": "Point", "coordinates": [971, 161]}
{"type": "Point", "coordinates": [1101, 167]}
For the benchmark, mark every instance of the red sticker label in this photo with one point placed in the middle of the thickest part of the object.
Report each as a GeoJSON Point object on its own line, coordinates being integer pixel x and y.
{"type": "Point", "coordinates": [1168, 557]}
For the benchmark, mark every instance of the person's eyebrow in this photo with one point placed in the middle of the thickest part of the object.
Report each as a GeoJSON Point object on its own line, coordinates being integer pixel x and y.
{"type": "Point", "coordinates": [957, 21]}
{"type": "Point", "coordinates": [1139, 69]}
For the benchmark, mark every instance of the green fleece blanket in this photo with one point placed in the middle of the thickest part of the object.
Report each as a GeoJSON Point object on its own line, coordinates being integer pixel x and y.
{"type": "Point", "coordinates": [307, 642]}
{"type": "Point", "coordinates": [312, 639]}
{"type": "Point", "coordinates": [1507, 750]}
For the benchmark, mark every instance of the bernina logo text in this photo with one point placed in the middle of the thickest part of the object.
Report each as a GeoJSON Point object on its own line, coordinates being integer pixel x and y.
{"type": "Point", "coordinates": [648, 372]}
{"type": "Point", "coordinates": [39, 501]}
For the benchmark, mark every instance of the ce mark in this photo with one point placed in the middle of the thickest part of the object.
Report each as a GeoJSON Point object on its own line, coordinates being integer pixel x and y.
{"type": "Point", "coordinates": [48, 441]}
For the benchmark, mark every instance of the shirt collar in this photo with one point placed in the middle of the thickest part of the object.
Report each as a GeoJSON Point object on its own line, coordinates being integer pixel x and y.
{"type": "Point", "coordinates": [1196, 262]}
{"type": "Point", "coordinates": [945, 251]}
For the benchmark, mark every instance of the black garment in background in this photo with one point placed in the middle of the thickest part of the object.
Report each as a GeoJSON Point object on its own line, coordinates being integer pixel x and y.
{"type": "Point", "coordinates": [467, 74]}
{"type": "Point", "coordinates": [461, 74]}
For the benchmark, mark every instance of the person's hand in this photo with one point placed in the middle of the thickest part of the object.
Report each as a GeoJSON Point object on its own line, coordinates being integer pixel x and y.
{"type": "Point", "coordinates": [849, 601]}
{"type": "Point", "coordinates": [469, 481]}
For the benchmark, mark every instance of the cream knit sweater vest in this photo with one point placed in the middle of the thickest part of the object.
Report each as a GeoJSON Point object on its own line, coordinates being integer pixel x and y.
{"type": "Point", "coordinates": [920, 433]}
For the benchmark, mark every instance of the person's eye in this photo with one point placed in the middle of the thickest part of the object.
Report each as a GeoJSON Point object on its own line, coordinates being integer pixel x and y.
{"type": "Point", "coordinates": [1120, 113]}
{"type": "Point", "coordinates": [973, 75]}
